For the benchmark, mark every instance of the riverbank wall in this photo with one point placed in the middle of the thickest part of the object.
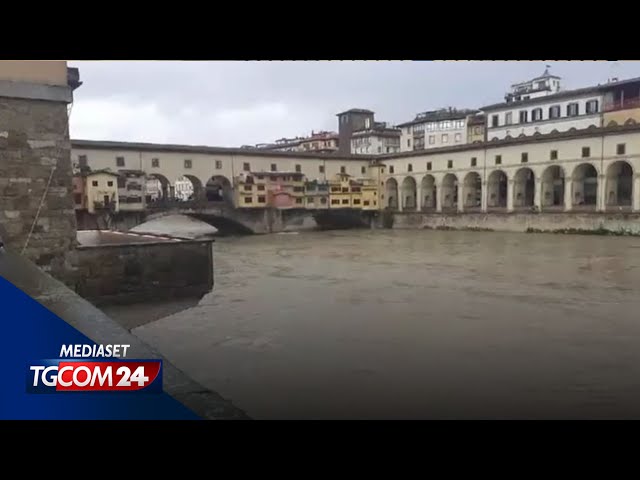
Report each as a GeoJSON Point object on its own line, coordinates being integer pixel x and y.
{"type": "Point", "coordinates": [596, 223]}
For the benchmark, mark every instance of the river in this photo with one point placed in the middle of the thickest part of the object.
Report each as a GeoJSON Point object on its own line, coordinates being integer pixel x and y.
{"type": "Point", "coordinates": [416, 325]}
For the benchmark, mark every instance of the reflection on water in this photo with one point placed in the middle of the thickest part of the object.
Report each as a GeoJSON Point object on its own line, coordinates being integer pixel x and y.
{"type": "Point", "coordinates": [415, 324]}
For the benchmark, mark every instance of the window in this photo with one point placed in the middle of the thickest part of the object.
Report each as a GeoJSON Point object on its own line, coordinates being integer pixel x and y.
{"type": "Point", "coordinates": [323, 200]}
{"type": "Point", "coordinates": [391, 169]}
{"type": "Point", "coordinates": [218, 164]}
{"type": "Point", "coordinates": [524, 158]}
{"type": "Point", "coordinates": [246, 167]}
{"type": "Point", "coordinates": [449, 163]}
{"type": "Point", "coordinates": [155, 163]}
{"type": "Point", "coordinates": [524, 116]}
{"type": "Point", "coordinates": [458, 137]}
{"type": "Point", "coordinates": [356, 189]}
{"type": "Point", "coordinates": [248, 199]}
{"type": "Point", "coordinates": [536, 114]}
{"type": "Point", "coordinates": [410, 168]}
{"type": "Point", "coordinates": [335, 202]}
{"type": "Point", "coordinates": [298, 189]}
{"type": "Point", "coordinates": [110, 183]}
{"type": "Point", "coordinates": [477, 130]}
{"type": "Point", "coordinates": [82, 160]}
{"type": "Point", "coordinates": [553, 155]}
{"type": "Point", "coordinates": [94, 183]}
{"type": "Point", "coordinates": [592, 107]}
{"type": "Point", "coordinates": [261, 188]}
{"type": "Point", "coordinates": [573, 110]}
{"type": "Point", "coordinates": [248, 188]}
{"type": "Point", "coordinates": [363, 170]}
{"type": "Point", "coordinates": [299, 200]}
{"type": "Point", "coordinates": [409, 142]}
{"type": "Point", "coordinates": [262, 199]}
{"type": "Point", "coordinates": [554, 111]}
{"type": "Point", "coordinates": [586, 152]}
{"type": "Point", "coordinates": [321, 168]}
{"type": "Point", "coordinates": [508, 119]}
{"type": "Point", "coordinates": [187, 164]}
{"type": "Point", "coordinates": [274, 167]}
{"type": "Point", "coordinates": [366, 203]}
{"type": "Point", "coordinates": [345, 201]}
{"type": "Point", "coordinates": [356, 201]}
{"type": "Point", "coordinates": [379, 149]}
{"type": "Point", "coordinates": [119, 161]}
{"type": "Point", "coordinates": [445, 138]}
{"type": "Point", "coordinates": [498, 159]}
{"type": "Point", "coordinates": [494, 120]}
{"type": "Point", "coordinates": [474, 161]}
{"type": "Point", "coordinates": [345, 189]}
{"type": "Point", "coordinates": [429, 166]}
{"type": "Point", "coordinates": [299, 168]}
{"type": "Point", "coordinates": [343, 169]}
{"type": "Point", "coordinates": [122, 182]}
{"type": "Point", "coordinates": [432, 139]}
{"type": "Point", "coordinates": [621, 149]}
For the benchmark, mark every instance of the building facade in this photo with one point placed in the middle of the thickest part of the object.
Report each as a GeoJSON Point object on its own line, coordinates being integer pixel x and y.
{"type": "Point", "coordinates": [435, 129]}
{"type": "Point", "coordinates": [377, 140]}
{"type": "Point", "coordinates": [132, 190]}
{"type": "Point", "coordinates": [100, 190]}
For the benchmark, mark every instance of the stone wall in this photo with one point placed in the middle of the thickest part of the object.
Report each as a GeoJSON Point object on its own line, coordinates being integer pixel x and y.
{"type": "Point", "coordinates": [34, 142]}
{"type": "Point", "coordinates": [624, 223]}
{"type": "Point", "coordinates": [132, 273]}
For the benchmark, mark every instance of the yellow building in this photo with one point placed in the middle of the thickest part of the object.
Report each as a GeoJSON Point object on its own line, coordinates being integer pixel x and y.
{"type": "Point", "coordinates": [316, 195]}
{"type": "Point", "coordinates": [101, 191]}
{"type": "Point", "coordinates": [281, 190]}
{"type": "Point", "coordinates": [345, 192]}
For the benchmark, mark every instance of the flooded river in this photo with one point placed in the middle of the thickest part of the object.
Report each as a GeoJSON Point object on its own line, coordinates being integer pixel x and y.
{"type": "Point", "coordinates": [416, 324]}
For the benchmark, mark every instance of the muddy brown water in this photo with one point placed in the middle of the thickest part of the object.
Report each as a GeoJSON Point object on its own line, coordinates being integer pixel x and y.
{"type": "Point", "coordinates": [416, 324]}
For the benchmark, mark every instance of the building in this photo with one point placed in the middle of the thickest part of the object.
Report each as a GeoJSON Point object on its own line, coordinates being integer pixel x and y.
{"type": "Point", "coordinates": [541, 106]}
{"type": "Point", "coordinates": [476, 128]}
{"type": "Point", "coordinates": [376, 140]}
{"type": "Point", "coordinates": [435, 129]}
{"type": "Point", "coordinates": [326, 142]}
{"type": "Point", "coordinates": [153, 189]}
{"type": "Point", "coordinates": [280, 190]}
{"type": "Point", "coordinates": [132, 190]}
{"type": "Point", "coordinates": [100, 190]}
{"type": "Point", "coordinates": [183, 189]}
{"type": "Point", "coordinates": [317, 195]}
{"type": "Point", "coordinates": [354, 120]}
{"type": "Point", "coordinates": [345, 192]}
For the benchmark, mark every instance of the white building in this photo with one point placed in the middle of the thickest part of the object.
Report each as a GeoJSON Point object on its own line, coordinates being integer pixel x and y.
{"type": "Point", "coordinates": [540, 106]}
{"type": "Point", "coordinates": [380, 139]}
{"type": "Point", "coordinates": [183, 189]}
{"type": "Point", "coordinates": [153, 189]}
{"type": "Point", "coordinates": [434, 129]}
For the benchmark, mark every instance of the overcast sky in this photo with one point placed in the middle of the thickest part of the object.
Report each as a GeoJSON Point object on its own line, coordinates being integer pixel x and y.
{"type": "Point", "coordinates": [237, 103]}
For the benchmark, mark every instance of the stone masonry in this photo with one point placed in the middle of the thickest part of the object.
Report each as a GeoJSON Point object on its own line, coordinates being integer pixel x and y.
{"type": "Point", "coordinates": [34, 142]}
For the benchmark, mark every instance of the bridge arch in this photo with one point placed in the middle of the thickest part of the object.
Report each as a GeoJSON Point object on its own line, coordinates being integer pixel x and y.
{"type": "Point", "coordinates": [619, 184]}
{"type": "Point", "coordinates": [472, 193]}
{"type": "Point", "coordinates": [160, 191]}
{"type": "Point", "coordinates": [409, 192]}
{"type": "Point", "coordinates": [187, 188]}
{"type": "Point", "coordinates": [391, 192]}
{"type": "Point", "coordinates": [553, 187]}
{"type": "Point", "coordinates": [524, 188]}
{"type": "Point", "coordinates": [585, 186]}
{"type": "Point", "coordinates": [449, 191]}
{"type": "Point", "coordinates": [429, 191]}
{"type": "Point", "coordinates": [219, 189]}
{"type": "Point", "coordinates": [497, 189]}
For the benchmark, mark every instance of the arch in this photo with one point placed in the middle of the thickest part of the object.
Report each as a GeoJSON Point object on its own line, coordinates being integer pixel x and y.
{"type": "Point", "coordinates": [409, 194]}
{"type": "Point", "coordinates": [524, 188]}
{"type": "Point", "coordinates": [472, 192]}
{"type": "Point", "coordinates": [630, 121]}
{"type": "Point", "coordinates": [612, 123]}
{"type": "Point", "coordinates": [573, 129]}
{"type": "Point", "coordinates": [429, 192]}
{"type": "Point", "coordinates": [196, 187]}
{"type": "Point", "coordinates": [592, 126]}
{"type": "Point", "coordinates": [554, 131]}
{"type": "Point", "coordinates": [186, 188]}
{"type": "Point", "coordinates": [391, 192]}
{"type": "Point", "coordinates": [585, 186]}
{"type": "Point", "coordinates": [619, 185]}
{"type": "Point", "coordinates": [449, 191]}
{"type": "Point", "coordinates": [497, 189]}
{"type": "Point", "coordinates": [218, 189]}
{"type": "Point", "coordinates": [553, 186]}
{"type": "Point", "coordinates": [158, 188]}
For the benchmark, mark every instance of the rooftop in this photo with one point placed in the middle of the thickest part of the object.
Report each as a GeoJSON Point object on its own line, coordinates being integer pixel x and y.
{"type": "Point", "coordinates": [356, 110]}
{"type": "Point", "coordinates": [440, 115]}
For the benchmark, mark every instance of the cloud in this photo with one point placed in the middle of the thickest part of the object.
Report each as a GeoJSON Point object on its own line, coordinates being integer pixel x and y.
{"type": "Point", "coordinates": [246, 102]}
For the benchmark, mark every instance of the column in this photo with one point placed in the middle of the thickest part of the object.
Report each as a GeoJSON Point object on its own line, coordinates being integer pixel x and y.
{"type": "Point", "coordinates": [460, 197]}
{"type": "Point", "coordinates": [537, 195]}
{"type": "Point", "coordinates": [568, 194]}
{"type": "Point", "coordinates": [601, 200]}
{"type": "Point", "coordinates": [510, 189]}
{"type": "Point", "coordinates": [419, 198]}
{"type": "Point", "coordinates": [484, 198]}
{"type": "Point", "coordinates": [400, 199]}
{"type": "Point", "coordinates": [636, 193]}
{"type": "Point", "coordinates": [439, 198]}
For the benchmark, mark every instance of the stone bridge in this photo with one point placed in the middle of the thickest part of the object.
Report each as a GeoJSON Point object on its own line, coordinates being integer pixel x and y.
{"type": "Point", "coordinates": [228, 219]}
